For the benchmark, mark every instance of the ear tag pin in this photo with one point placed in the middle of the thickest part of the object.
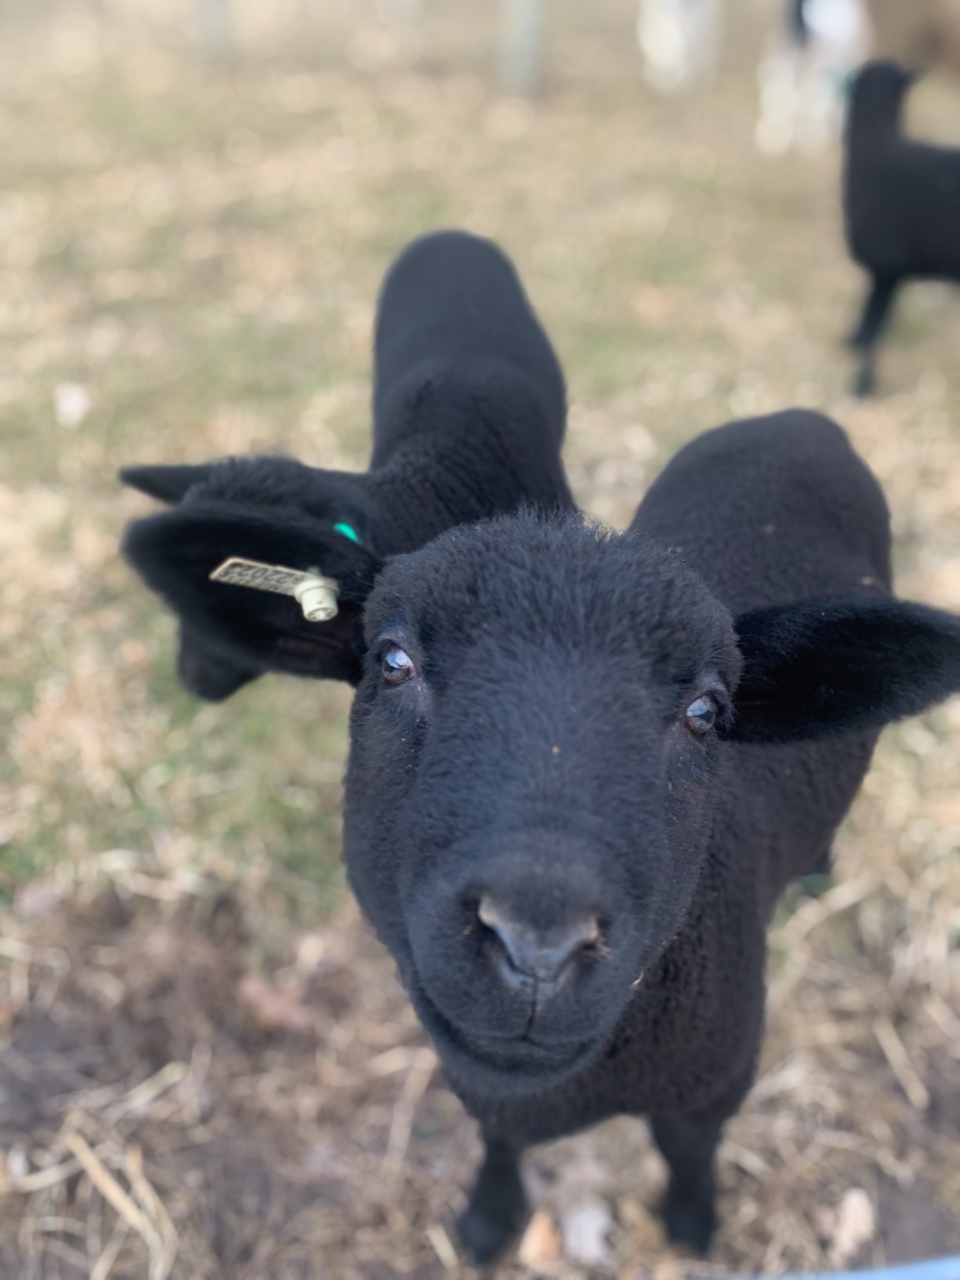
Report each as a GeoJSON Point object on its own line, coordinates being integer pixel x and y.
{"type": "Point", "coordinates": [316, 595]}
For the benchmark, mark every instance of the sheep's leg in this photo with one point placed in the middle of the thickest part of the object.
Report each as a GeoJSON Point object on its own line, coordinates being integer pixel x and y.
{"type": "Point", "coordinates": [688, 1145]}
{"type": "Point", "coordinates": [876, 314]}
{"type": "Point", "coordinates": [498, 1204]}
{"type": "Point", "coordinates": [874, 305]}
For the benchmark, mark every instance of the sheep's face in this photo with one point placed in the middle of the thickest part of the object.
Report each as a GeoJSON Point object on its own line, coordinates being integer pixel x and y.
{"type": "Point", "coordinates": [532, 781]}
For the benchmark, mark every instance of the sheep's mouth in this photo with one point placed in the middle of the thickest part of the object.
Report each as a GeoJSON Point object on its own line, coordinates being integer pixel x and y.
{"type": "Point", "coordinates": [505, 1067]}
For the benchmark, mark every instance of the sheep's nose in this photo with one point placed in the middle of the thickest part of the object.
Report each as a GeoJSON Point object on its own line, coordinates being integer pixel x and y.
{"type": "Point", "coordinates": [535, 961]}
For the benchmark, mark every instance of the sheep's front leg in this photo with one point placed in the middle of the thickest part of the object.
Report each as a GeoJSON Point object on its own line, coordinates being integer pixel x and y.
{"type": "Point", "coordinates": [876, 313]}
{"type": "Point", "coordinates": [498, 1204]}
{"type": "Point", "coordinates": [689, 1144]}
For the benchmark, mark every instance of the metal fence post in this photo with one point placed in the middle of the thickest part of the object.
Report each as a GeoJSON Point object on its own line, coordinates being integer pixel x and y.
{"type": "Point", "coordinates": [210, 27]}
{"type": "Point", "coordinates": [521, 45]}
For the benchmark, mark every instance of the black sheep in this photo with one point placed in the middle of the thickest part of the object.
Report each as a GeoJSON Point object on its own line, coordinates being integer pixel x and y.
{"type": "Point", "coordinates": [901, 202]}
{"type": "Point", "coordinates": [583, 766]}
{"type": "Point", "coordinates": [469, 413]}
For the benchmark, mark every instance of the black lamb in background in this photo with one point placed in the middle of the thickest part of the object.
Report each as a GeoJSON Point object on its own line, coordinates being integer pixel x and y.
{"type": "Point", "coordinates": [584, 765]}
{"type": "Point", "coordinates": [901, 203]}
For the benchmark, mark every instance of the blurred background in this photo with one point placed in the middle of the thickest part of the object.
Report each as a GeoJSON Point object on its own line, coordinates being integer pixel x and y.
{"type": "Point", "coordinates": [206, 1065]}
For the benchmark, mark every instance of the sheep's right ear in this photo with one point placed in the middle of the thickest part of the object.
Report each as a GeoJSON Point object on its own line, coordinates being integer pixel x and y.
{"type": "Point", "coordinates": [231, 632]}
{"type": "Point", "coordinates": [823, 667]}
{"type": "Point", "coordinates": [165, 483]}
{"type": "Point", "coordinates": [208, 670]}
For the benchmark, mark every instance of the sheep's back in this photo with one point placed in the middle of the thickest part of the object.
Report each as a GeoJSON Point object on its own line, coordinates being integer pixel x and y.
{"type": "Point", "coordinates": [453, 301]}
{"type": "Point", "coordinates": [773, 509]}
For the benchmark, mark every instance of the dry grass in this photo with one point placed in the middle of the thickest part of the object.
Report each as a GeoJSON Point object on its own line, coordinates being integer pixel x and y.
{"type": "Point", "coordinates": [204, 1072]}
{"type": "Point", "coordinates": [173, 1106]}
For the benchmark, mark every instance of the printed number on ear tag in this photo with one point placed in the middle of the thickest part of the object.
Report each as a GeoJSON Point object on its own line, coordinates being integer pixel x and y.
{"type": "Point", "coordinates": [316, 595]}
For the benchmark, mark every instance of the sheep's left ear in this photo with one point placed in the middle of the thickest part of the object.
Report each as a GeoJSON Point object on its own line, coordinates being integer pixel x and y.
{"type": "Point", "coordinates": [823, 667]}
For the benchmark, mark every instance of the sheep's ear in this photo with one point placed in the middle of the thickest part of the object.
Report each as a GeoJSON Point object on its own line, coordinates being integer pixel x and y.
{"type": "Point", "coordinates": [232, 633]}
{"type": "Point", "coordinates": [208, 670]}
{"type": "Point", "coordinates": [832, 666]}
{"type": "Point", "coordinates": [167, 484]}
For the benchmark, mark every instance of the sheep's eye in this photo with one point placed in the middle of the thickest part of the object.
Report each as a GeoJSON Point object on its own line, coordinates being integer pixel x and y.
{"type": "Point", "coordinates": [397, 665]}
{"type": "Point", "coordinates": [701, 714]}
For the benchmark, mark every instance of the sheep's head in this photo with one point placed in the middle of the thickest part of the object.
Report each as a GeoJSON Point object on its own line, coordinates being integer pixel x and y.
{"type": "Point", "coordinates": [531, 781]}
{"type": "Point", "coordinates": [878, 94]}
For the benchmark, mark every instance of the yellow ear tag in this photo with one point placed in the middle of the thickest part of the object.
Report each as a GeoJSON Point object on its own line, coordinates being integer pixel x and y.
{"type": "Point", "coordinates": [316, 595]}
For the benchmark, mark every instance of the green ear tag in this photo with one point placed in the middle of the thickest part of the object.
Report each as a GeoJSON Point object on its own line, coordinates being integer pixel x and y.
{"type": "Point", "coordinates": [347, 532]}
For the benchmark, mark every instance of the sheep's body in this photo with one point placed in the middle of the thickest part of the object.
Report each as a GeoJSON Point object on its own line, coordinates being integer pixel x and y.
{"type": "Point", "coordinates": [901, 204]}
{"type": "Point", "coordinates": [582, 767]}
{"type": "Point", "coordinates": [530, 768]}
{"type": "Point", "coordinates": [469, 400]}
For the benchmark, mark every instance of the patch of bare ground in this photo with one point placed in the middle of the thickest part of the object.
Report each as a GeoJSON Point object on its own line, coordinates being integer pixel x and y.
{"type": "Point", "coordinates": [174, 1105]}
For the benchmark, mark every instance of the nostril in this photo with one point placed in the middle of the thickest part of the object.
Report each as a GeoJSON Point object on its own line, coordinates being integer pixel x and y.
{"type": "Point", "coordinates": [542, 954]}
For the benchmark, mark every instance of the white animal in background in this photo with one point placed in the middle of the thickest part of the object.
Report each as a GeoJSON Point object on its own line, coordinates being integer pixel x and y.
{"type": "Point", "coordinates": [680, 42]}
{"type": "Point", "coordinates": [804, 77]}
